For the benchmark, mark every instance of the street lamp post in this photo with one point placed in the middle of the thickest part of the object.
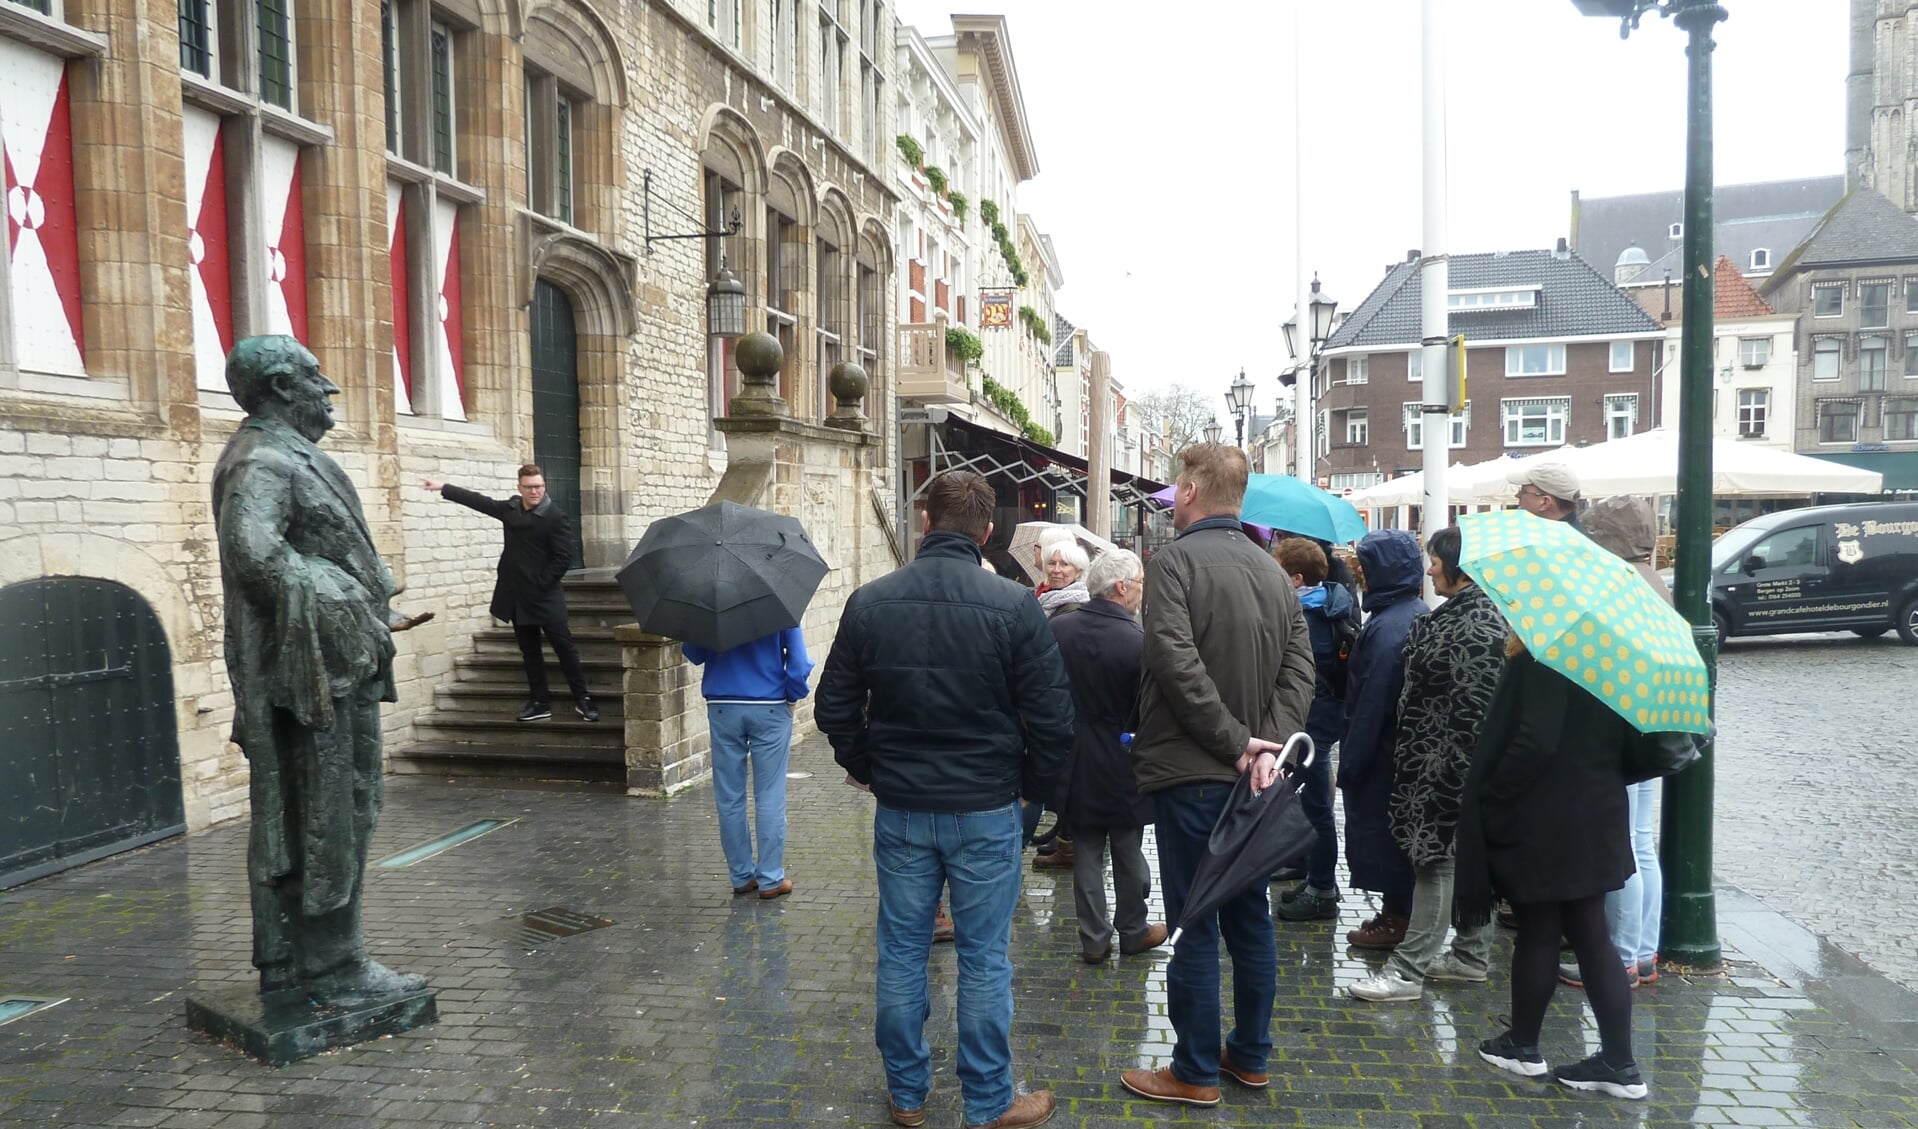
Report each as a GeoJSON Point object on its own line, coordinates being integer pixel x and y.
{"type": "Point", "coordinates": [1213, 430]}
{"type": "Point", "coordinates": [1320, 310]}
{"type": "Point", "coordinates": [1239, 399]}
{"type": "Point", "coordinates": [1690, 934]}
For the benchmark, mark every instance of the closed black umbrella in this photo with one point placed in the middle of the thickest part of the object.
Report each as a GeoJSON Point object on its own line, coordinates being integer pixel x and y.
{"type": "Point", "coordinates": [1257, 833]}
{"type": "Point", "coordinates": [722, 575]}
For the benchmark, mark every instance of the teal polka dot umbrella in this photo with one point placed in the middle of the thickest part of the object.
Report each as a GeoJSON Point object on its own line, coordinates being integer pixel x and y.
{"type": "Point", "coordinates": [1590, 616]}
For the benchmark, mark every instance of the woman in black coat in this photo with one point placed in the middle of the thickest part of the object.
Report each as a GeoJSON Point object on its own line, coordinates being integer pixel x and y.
{"type": "Point", "coordinates": [1544, 826]}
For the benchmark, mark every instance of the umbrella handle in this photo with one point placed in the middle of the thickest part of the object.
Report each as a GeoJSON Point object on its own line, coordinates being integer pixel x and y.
{"type": "Point", "coordinates": [1311, 750]}
{"type": "Point", "coordinates": [1173, 941]}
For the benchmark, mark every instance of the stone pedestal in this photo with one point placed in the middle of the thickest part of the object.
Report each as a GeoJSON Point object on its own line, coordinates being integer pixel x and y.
{"type": "Point", "coordinates": [285, 1027]}
{"type": "Point", "coordinates": [668, 747]}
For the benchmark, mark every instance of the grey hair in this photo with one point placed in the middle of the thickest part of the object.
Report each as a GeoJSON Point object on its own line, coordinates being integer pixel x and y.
{"type": "Point", "coordinates": [1069, 552]}
{"type": "Point", "coordinates": [1113, 566]}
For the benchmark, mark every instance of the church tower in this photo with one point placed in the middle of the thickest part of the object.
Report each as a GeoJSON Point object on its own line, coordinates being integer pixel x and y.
{"type": "Point", "coordinates": [1880, 100]}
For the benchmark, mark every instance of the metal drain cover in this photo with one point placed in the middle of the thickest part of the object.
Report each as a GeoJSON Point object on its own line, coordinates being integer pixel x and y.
{"type": "Point", "coordinates": [543, 926]}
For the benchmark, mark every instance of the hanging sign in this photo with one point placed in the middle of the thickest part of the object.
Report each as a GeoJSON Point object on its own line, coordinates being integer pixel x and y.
{"type": "Point", "coordinates": [995, 309]}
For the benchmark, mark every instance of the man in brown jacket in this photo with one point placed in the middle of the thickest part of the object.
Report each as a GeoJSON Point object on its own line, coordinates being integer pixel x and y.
{"type": "Point", "coordinates": [1228, 675]}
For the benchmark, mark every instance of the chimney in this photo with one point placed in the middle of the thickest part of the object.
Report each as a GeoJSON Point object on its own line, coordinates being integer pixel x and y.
{"type": "Point", "coordinates": [1563, 250]}
{"type": "Point", "coordinates": [1412, 256]}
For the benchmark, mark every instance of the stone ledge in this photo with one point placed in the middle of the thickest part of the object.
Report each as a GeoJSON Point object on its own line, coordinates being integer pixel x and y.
{"type": "Point", "coordinates": [285, 1027]}
{"type": "Point", "coordinates": [797, 429]}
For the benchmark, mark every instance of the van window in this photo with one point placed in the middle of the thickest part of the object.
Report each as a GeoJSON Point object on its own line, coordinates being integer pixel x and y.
{"type": "Point", "coordinates": [1788, 548]}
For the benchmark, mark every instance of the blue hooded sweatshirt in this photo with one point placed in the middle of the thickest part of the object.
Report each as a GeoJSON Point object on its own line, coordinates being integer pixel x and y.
{"type": "Point", "coordinates": [771, 668]}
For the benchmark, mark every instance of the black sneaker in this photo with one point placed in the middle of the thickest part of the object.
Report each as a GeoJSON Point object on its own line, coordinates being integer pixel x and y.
{"type": "Point", "coordinates": [1508, 1053]}
{"type": "Point", "coordinates": [1597, 1074]}
{"type": "Point", "coordinates": [586, 709]}
{"type": "Point", "coordinates": [1301, 904]}
{"type": "Point", "coordinates": [536, 711]}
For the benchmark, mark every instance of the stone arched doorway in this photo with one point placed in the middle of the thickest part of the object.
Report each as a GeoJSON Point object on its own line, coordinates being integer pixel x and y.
{"type": "Point", "coordinates": [556, 445]}
{"type": "Point", "coordinates": [89, 744]}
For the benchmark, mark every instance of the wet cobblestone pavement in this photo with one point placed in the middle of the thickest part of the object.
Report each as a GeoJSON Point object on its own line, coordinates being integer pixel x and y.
{"type": "Point", "coordinates": [698, 1009]}
{"type": "Point", "coordinates": [1817, 788]}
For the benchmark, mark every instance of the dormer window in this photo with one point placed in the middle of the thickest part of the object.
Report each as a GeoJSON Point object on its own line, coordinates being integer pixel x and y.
{"type": "Point", "coordinates": [1493, 298]}
{"type": "Point", "coordinates": [1761, 258]}
{"type": "Point", "coordinates": [1677, 231]}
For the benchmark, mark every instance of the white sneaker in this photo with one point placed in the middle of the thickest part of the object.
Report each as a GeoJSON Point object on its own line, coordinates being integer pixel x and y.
{"type": "Point", "coordinates": [1383, 986]}
{"type": "Point", "coordinates": [1450, 967]}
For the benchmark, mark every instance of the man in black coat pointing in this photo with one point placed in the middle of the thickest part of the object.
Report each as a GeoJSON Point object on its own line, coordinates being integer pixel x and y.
{"type": "Point", "coordinates": [539, 539]}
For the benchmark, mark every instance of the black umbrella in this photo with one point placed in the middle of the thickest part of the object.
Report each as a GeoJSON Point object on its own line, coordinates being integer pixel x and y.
{"type": "Point", "coordinates": [1257, 833]}
{"type": "Point", "coordinates": [722, 575]}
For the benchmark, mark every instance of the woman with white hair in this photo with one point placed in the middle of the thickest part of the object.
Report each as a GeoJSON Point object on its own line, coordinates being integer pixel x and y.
{"type": "Point", "coordinates": [1065, 565]}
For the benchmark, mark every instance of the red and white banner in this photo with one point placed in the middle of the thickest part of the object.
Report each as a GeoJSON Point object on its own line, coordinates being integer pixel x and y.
{"type": "Point", "coordinates": [43, 245]}
{"type": "Point", "coordinates": [285, 214]}
{"type": "Point", "coordinates": [450, 341]}
{"type": "Point", "coordinates": [208, 247]}
{"type": "Point", "coordinates": [402, 299]}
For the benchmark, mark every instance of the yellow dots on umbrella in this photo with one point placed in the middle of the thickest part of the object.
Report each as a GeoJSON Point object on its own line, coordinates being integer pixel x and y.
{"type": "Point", "coordinates": [1588, 650]}
{"type": "Point", "coordinates": [1587, 627]}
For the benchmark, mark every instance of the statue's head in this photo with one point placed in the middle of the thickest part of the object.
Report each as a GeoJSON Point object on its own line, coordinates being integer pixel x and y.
{"type": "Point", "coordinates": [276, 377]}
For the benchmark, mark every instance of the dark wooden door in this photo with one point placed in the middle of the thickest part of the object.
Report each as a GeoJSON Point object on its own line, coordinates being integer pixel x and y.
{"type": "Point", "coordinates": [88, 745]}
{"type": "Point", "coordinates": [556, 402]}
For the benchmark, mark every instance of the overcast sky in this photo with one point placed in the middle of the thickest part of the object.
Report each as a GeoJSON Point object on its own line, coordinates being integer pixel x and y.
{"type": "Point", "coordinates": [1166, 146]}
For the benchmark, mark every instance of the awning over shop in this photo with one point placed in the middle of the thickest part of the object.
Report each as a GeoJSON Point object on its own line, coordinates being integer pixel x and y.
{"type": "Point", "coordinates": [1020, 460]}
{"type": "Point", "coordinates": [1900, 468]}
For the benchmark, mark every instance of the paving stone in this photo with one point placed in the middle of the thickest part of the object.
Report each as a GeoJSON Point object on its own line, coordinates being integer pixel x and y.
{"type": "Point", "coordinates": [698, 1008]}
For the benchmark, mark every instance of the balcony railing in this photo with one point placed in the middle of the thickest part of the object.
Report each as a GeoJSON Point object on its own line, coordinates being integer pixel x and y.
{"type": "Point", "coordinates": [926, 371]}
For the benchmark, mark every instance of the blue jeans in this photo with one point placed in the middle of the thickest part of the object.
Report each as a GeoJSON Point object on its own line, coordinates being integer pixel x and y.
{"type": "Point", "coordinates": [1634, 913]}
{"type": "Point", "coordinates": [759, 733]}
{"type": "Point", "coordinates": [1186, 816]}
{"type": "Point", "coordinates": [975, 856]}
{"type": "Point", "coordinates": [1321, 865]}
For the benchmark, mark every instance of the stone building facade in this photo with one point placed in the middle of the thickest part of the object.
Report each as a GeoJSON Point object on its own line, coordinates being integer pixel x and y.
{"type": "Point", "coordinates": [449, 202]}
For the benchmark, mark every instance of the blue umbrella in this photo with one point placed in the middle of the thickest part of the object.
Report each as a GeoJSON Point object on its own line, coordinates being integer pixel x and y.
{"type": "Point", "coordinates": [1284, 502]}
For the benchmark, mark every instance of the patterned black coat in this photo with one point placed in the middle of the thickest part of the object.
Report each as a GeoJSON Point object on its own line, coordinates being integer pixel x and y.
{"type": "Point", "coordinates": [1452, 661]}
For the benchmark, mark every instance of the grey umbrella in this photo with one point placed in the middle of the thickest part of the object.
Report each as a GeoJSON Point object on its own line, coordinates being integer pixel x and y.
{"type": "Point", "coordinates": [1257, 833]}
{"type": "Point", "coordinates": [722, 575]}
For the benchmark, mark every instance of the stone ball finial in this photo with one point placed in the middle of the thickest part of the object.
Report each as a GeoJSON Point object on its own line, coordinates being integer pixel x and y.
{"type": "Point", "coordinates": [759, 356]}
{"type": "Point", "coordinates": [848, 382]}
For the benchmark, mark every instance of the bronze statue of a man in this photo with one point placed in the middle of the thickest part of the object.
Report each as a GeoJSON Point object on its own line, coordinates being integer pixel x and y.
{"type": "Point", "coordinates": [309, 649]}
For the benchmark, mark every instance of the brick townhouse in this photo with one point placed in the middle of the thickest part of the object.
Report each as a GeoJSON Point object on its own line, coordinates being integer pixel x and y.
{"type": "Point", "coordinates": [1556, 354]}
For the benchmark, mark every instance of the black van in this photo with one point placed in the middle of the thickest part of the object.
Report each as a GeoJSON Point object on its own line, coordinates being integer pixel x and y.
{"type": "Point", "coordinates": [1825, 568]}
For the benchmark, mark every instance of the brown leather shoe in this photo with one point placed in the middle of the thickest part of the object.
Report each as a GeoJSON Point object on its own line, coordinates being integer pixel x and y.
{"type": "Point", "coordinates": [1026, 1111]}
{"type": "Point", "coordinates": [741, 891]}
{"type": "Point", "coordinates": [1384, 931]}
{"type": "Point", "coordinates": [1250, 1079]}
{"type": "Point", "coordinates": [1060, 859]}
{"type": "Point", "coordinates": [910, 1118]}
{"type": "Point", "coordinates": [1155, 935]}
{"type": "Point", "coordinates": [1098, 957]}
{"type": "Point", "coordinates": [786, 887]}
{"type": "Point", "coordinates": [1162, 1085]}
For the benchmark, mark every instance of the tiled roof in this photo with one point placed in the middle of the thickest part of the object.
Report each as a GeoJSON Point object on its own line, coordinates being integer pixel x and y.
{"type": "Point", "coordinates": [1774, 215]}
{"type": "Point", "coordinates": [1062, 340]}
{"type": "Point", "coordinates": [1574, 300]}
{"type": "Point", "coordinates": [1864, 227]}
{"type": "Point", "coordinates": [1732, 296]}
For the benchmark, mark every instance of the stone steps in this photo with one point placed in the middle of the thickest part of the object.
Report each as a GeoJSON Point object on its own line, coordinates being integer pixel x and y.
{"type": "Point", "coordinates": [471, 730]}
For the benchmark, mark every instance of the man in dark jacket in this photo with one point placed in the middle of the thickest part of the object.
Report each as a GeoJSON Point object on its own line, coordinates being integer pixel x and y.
{"type": "Point", "coordinates": [1329, 612]}
{"type": "Point", "coordinates": [1228, 675]}
{"type": "Point", "coordinates": [539, 550]}
{"type": "Point", "coordinates": [1101, 644]}
{"type": "Point", "coordinates": [944, 696]}
{"type": "Point", "coordinates": [1393, 568]}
